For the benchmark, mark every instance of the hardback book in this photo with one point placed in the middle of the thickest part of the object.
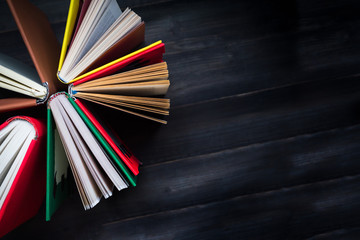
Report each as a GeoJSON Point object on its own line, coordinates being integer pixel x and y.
{"type": "Point", "coordinates": [96, 33]}
{"type": "Point", "coordinates": [135, 90]}
{"type": "Point", "coordinates": [20, 78]}
{"type": "Point", "coordinates": [98, 160]}
{"type": "Point", "coordinates": [96, 49]}
{"type": "Point", "coordinates": [44, 51]}
{"type": "Point", "coordinates": [22, 170]}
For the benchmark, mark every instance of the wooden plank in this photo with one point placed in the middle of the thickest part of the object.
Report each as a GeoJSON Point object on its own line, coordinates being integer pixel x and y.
{"type": "Point", "coordinates": [300, 212]}
{"type": "Point", "coordinates": [254, 170]}
{"type": "Point", "coordinates": [288, 213]}
{"type": "Point", "coordinates": [344, 233]}
{"type": "Point", "coordinates": [240, 120]}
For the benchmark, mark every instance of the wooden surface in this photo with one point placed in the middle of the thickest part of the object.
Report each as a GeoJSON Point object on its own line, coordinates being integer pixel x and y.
{"type": "Point", "coordinates": [262, 140]}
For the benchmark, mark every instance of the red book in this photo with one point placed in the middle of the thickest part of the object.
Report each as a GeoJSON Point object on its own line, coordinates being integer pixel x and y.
{"type": "Point", "coordinates": [28, 188]}
{"type": "Point", "coordinates": [121, 150]}
{"type": "Point", "coordinates": [150, 56]}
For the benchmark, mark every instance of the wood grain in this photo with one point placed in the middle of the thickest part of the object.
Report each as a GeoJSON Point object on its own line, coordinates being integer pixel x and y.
{"type": "Point", "coordinates": [262, 141]}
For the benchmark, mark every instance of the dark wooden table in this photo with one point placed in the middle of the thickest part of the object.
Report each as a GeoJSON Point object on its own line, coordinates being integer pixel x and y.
{"type": "Point", "coordinates": [263, 137]}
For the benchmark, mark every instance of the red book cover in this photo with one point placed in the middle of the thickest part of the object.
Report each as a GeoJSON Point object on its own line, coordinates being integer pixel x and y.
{"type": "Point", "coordinates": [126, 156]}
{"type": "Point", "coordinates": [150, 56]}
{"type": "Point", "coordinates": [28, 189]}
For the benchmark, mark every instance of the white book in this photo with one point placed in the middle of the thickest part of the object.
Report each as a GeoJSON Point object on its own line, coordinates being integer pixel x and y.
{"type": "Point", "coordinates": [18, 77]}
{"type": "Point", "coordinates": [15, 140]}
{"type": "Point", "coordinates": [93, 170]}
{"type": "Point", "coordinates": [103, 26]}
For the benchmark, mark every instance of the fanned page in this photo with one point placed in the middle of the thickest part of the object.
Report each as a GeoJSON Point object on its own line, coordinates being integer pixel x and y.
{"type": "Point", "coordinates": [18, 77]}
{"type": "Point", "coordinates": [15, 140]}
{"type": "Point", "coordinates": [93, 170]}
{"type": "Point", "coordinates": [148, 55]}
{"type": "Point", "coordinates": [119, 147]}
{"type": "Point", "coordinates": [129, 91]}
{"type": "Point", "coordinates": [117, 162]}
{"type": "Point", "coordinates": [102, 27]}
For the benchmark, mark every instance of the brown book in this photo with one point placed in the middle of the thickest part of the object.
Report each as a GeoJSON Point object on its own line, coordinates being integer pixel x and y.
{"type": "Point", "coordinates": [43, 48]}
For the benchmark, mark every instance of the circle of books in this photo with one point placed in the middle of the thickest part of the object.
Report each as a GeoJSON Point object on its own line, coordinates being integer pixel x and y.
{"type": "Point", "coordinates": [102, 60]}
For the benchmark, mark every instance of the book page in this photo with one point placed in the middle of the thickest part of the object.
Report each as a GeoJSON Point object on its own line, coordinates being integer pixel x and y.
{"type": "Point", "coordinates": [12, 151]}
{"type": "Point", "coordinates": [122, 26]}
{"type": "Point", "coordinates": [127, 111]}
{"type": "Point", "coordinates": [150, 88]}
{"type": "Point", "coordinates": [16, 70]}
{"type": "Point", "coordinates": [100, 177]}
{"type": "Point", "coordinates": [99, 17]}
{"type": "Point", "coordinates": [157, 71]}
{"type": "Point", "coordinates": [89, 193]}
{"type": "Point", "coordinates": [109, 16]}
{"type": "Point", "coordinates": [91, 141]}
{"type": "Point", "coordinates": [15, 86]}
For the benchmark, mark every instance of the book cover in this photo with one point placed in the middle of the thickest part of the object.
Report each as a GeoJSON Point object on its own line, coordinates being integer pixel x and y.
{"type": "Point", "coordinates": [27, 190]}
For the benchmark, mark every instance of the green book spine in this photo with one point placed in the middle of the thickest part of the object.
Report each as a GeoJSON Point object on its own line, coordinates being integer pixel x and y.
{"type": "Point", "coordinates": [50, 165]}
{"type": "Point", "coordinates": [128, 174]}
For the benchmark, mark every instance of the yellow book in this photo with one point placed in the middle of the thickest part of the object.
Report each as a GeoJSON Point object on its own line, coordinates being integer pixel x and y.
{"type": "Point", "coordinates": [116, 61]}
{"type": "Point", "coordinates": [70, 25]}
{"type": "Point", "coordinates": [97, 32]}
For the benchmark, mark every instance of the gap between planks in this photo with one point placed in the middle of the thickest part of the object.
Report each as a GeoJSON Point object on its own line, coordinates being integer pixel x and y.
{"type": "Point", "coordinates": [236, 198]}
{"type": "Point", "coordinates": [334, 232]}
{"type": "Point", "coordinates": [245, 94]}
{"type": "Point", "coordinates": [332, 130]}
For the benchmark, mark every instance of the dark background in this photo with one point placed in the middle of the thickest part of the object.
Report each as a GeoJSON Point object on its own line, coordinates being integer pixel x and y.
{"type": "Point", "coordinates": [262, 141]}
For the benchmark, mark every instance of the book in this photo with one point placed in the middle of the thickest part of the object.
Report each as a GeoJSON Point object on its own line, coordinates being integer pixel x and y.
{"type": "Point", "coordinates": [22, 170]}
{"type": "Point", "coordinates": [89, 54]}
{"type": "Point", "coordinates": [97, 160]}
{"type": "Point", "coordinates": [101, 33]}
{"type": "Point", "coordinates": [18, 77]}
{"type": "Point", "coordinates": [132, 91]}
{"type": "Point", "coordinates": [44, 51]}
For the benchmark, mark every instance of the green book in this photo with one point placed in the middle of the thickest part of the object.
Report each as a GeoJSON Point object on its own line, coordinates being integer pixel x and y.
{"type": "Point", "coordinates": [58, 178]}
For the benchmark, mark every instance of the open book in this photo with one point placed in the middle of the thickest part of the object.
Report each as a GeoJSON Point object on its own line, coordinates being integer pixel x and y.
{"type": "Point", "coordinates": [130, 91]}
{"type": "Point", "coordinates": [22, 170]}
{"type": "Point", "coordinates": [98, 160]}
{"type": "Point", "coordinates": [96, 33]}
{"type": "Point", "coordinates": [97, 44]}
{"type": "Point", "coordinates": [44, 50]}
{"type": "Point", "coordinates": [18, 77]}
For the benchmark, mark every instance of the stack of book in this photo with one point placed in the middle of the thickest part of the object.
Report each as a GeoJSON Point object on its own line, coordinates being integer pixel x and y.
{"type": "Point", "coordinates": [101, 61]}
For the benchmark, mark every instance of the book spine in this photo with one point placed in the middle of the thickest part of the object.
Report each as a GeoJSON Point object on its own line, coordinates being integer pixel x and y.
{"type": "Point", "coordinates": [50, 164]}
